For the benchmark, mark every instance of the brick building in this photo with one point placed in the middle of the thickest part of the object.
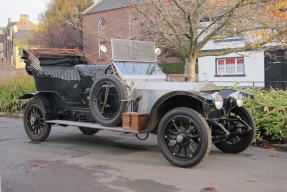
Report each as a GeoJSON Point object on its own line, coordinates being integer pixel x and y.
{"type": "Point", "coordinates": [107, 19]}
{"type": "Point", "coordinates": [104, 20]}
{"type": "Point", "coordinates": [14, 36]}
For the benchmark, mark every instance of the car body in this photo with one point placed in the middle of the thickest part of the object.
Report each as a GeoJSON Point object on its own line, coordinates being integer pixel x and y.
{"type": "Point", "coordinates": [133, 90]}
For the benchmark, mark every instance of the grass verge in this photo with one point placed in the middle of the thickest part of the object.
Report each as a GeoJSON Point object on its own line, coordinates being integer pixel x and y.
{"type": "Point", "coordinates": [12, 89]}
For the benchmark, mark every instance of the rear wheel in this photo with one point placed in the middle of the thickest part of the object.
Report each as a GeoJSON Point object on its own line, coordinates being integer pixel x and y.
{"type": "Point", "coordinates": [238, 143]}
{"type": "Point", "coordinates": [88, 131]}
{"type": "Point", "coordinates": [184, 137]}
{"type": "Point", "coordinates": [34, 121]}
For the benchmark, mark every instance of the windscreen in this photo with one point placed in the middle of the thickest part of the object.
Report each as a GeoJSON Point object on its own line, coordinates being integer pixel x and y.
{"type": "Point", "coordinates": [138, 68]}
{"type": "Point", "coordinates": [134, 51]}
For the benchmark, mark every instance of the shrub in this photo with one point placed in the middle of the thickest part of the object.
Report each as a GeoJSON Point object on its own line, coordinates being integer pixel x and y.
{"type": "Point", "coordinates": [173, 68]}
{"type": "Point", "coordinates": [270, 112]}
{"type": "Point", "coordinates": [12, 89]}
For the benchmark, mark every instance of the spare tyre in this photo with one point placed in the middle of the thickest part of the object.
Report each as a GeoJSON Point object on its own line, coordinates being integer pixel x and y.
{"type": "Point", "coordinates": [108, 100]}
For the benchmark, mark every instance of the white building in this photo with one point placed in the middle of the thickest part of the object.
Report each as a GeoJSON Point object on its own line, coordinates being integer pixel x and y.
{"type": "Point", "coordinates": [248, 69]}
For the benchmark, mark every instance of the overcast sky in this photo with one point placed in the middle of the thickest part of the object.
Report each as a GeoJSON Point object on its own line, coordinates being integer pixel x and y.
{"type": "Point", "coordinates": [13, 9]}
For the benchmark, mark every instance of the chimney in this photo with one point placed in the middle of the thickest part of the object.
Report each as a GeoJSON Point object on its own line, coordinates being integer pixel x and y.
{"type": "Point", "coordinates": [9, 20]}
{"type": "Point", "coordinates": [24, 17]}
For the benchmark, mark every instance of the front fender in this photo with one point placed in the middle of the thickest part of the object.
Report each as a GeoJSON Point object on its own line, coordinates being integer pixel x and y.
{"type": "Point", "coordinates": [158, 110]}
{"type": "Point", "coordinates": [200, 96]}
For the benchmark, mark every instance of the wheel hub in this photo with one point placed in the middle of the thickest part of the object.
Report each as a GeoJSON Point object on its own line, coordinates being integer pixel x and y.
{"type": "Point", "coordinates": [179, 138]}
{"type": "Point", "coordinates": [33, 120]}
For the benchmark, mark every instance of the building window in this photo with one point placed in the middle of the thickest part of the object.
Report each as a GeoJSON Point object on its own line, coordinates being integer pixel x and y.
{"type": "Point", "coordinates": [230, 66]}
{"type": "Point", "coordinates": [102, 21]}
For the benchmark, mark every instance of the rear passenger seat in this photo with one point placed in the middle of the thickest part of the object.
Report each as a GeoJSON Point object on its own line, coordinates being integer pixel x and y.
{"type": "Point", "coordinates": [73, 73]}
{"type": "Point", "coordinates": [62, 72]}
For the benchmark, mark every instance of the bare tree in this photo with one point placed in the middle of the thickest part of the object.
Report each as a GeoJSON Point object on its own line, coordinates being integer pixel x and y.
{"type": "Point", "coordinates": [187, 26]}
{"type": "Point", "coordinates": [58, 27]}
{"type": "Point", "coordinates": [57, 36]}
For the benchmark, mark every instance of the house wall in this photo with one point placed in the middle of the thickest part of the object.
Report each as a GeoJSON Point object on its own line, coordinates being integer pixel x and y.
{"type": "Point", "coordinates": [8, 45]}
{"type": "Point", "coordinates": [117, 26]}
{"type": "Point", "coordinates": [120, 24]}
{"type": "Point", "coordinates": [254, 70]}
{"type": "Point", "coordinates": [11, 40]}
{"type": "Point", "coordinates": [19, 63]}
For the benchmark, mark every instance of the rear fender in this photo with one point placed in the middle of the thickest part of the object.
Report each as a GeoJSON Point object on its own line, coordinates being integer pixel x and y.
{"type": "Point", "coordinates": [27, 96]}
{"type": "Point", "coordinates": [44, 101]}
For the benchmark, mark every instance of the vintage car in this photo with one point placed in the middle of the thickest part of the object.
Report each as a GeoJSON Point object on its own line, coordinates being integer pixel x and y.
{"type": "Point", "coordinates": [133, 95]}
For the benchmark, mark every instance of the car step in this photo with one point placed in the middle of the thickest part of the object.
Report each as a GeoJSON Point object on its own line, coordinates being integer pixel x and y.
{"type": "Point", "coordinates": [89, 125]}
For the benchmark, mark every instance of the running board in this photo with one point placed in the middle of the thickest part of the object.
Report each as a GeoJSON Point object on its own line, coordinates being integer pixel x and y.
{"type": "Point", "coordinates": [89, 125]}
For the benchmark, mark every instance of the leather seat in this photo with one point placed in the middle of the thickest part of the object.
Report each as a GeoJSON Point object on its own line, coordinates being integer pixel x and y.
{"type": "Point", "coordinates": [91, 70]}
{"type": "Point", "coordinates": [61, 72]}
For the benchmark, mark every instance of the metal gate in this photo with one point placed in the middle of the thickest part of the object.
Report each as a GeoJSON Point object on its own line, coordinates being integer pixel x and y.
{"type": "Point", "coordinates": [276, 69]}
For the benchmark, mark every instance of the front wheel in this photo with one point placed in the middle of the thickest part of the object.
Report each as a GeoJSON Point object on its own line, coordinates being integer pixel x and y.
{"type": "Point", "coordinates": [184, 137]}
{"type": "Point", "coordinates": [238, 143]}
{"type": "Point", "coordinates": [34, 121]}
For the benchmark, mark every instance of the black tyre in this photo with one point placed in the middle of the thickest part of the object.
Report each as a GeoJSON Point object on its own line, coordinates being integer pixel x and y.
{"type": "Point", "coordinates": [34, 121]}
{"type": "Point", "coordinates": [184, 137]}
{"type": "Point", "coordinates": [108, 100]}
{"type": "Point", "coordinates": [237, 144]}
{"type": "Point", "coordinates": [88, 131]}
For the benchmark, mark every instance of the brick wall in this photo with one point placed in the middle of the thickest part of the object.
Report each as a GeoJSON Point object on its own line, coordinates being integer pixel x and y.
{"type": "Point", "coordinates": [117, 26]}
{"type": "Point", "coordinates": [120, 24]}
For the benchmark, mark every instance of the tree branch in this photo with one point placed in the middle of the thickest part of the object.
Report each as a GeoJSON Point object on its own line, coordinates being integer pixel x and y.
{"type": "Point", "coordinates": [248, 47]}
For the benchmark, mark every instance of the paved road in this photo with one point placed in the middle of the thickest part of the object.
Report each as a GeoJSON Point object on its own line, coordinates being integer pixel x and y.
{"type": "Point", "coordinates": [114, 162]}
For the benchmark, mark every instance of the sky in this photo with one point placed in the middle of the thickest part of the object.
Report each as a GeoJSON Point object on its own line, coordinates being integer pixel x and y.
{"type": "Point", "coordinates": [13, 9]}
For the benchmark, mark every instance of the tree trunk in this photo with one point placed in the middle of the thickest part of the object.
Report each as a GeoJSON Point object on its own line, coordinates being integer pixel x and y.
{"type": "Point", "coordinates": [190, 65]}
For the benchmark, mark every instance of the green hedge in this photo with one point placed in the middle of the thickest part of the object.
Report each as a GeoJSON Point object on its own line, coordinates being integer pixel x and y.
{"type": "Point", "coordinates": [12, 89]}
{"type": "Point", "coordinates": [270, 112]}
{"type": "Point", "coordinates": [173, 68]}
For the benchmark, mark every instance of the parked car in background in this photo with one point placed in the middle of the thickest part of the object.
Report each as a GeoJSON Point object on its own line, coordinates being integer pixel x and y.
{"type": "Point", "coordinates": [133, 95]}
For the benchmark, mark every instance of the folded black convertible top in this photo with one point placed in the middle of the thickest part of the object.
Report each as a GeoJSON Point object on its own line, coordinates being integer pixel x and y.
{"type": "Point", "coordinates": [62, 57]}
